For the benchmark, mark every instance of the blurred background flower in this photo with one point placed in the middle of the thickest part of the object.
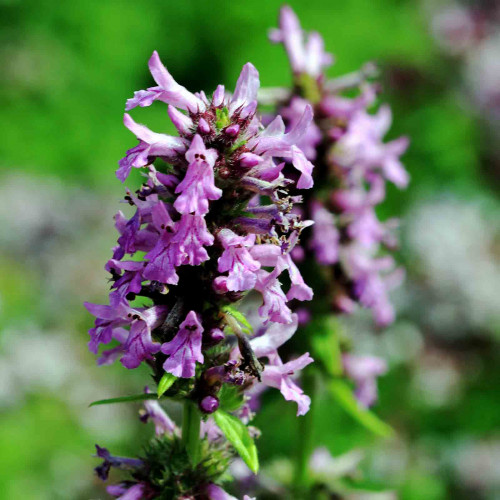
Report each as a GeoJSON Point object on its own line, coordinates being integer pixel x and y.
{"type": "Point", "coordinates": [66, 73]}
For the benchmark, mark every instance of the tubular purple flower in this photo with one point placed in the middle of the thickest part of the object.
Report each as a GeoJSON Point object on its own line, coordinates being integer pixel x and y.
{"type": "Point", "coordinates": [364, 370]}
{"type": "Point", "coordinates": [279, 375]}
{"type": "Point", "coordinates": [185, 348]}
{"type": "Point", "coordinates": [237, 260]}
{"type": "Point", "coordinates": [246, 88]}
{"type": "Point", "coordinates": [307, 58]}
{"type": "Point", "coordinates": [182, 122]}
{"type": "Point", "coordinates": [198, 186]}
{"type": "Point", "coordinates": [346, 142]}
{"type": "Point", "coordinates": [168, 90]}
{"type": "Point", "coordinates": [155, 413]}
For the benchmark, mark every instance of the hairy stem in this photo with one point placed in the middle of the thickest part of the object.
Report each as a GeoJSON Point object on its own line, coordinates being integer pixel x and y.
{"type": "Point", "coordinates": [191, 431]}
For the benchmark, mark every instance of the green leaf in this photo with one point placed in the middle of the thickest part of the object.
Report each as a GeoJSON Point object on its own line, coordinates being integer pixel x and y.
{"type": "Point", "coordinates": [191, 419]}
{"type": "Point", "coordinates": [240, 317]}
{"type": "Point", "coordinates": [123, 399]}
{"type": "Point", "coordinates": [326, 346]}
{"type": "Point", "coordinates": [165, 383]}
{"type": "Point", "coordinates": [230, 398]}
{"type": "Point", "coordinates": [237, 434]}
{"type": "Point", "coordinates": [341, 391]}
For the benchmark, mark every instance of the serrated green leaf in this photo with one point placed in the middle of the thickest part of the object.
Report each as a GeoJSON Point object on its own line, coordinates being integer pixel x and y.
{"type": "Point", "coordinates": [165, 383]}
{"type": "Point", "coordinates": [343, 394]}
{"type": "Point", "coordinates": [240, 317]}
{"type": "Point", "coordinates": [230, 398]}
{"type": "Point", "coordinates": [237, 434]}
{"type": "Point", "coordinates": [123, 399]}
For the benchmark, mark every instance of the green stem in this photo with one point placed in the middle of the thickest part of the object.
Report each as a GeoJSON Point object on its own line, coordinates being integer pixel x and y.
{"type": "Point", "coordinates": [191, 419]}
{"type": "Point", "coordinates": [305, 434]}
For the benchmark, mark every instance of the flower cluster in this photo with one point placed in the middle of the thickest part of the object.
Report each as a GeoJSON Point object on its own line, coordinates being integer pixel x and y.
{"type": "Point", "coordinates": [213, 221]}
{"type": "Point", "coordinates": [353, 165]}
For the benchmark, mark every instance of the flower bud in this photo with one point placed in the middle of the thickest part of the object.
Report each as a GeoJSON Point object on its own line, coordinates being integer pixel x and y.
{"type": "Point", "coordinates": [233, 130]}
{"type": "Point", "coordinates": [209, 404]}
{"type": "Point", "coordinates": [203, 126]}
{"type": "Point", "coordinates": [248, 160]}
{"type": "Point", "coordinates": [216, 335]}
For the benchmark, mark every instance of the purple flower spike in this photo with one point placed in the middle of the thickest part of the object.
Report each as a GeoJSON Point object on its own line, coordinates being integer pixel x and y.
{"type": "Point", "coordinates": [207, 193]}
{"type": "Point", "coordinates": [185, 349]}
{"type": "Point", "coordinates": [347, 236]}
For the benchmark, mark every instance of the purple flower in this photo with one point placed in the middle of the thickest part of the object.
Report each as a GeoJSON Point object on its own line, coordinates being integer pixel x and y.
{"type": "Point", "coordinates": [274, 306]}
{"type": "Point", "coordinates": [139, 345]}
{"type": "Point", "coordinates": [325, 235]}
{"type": "Point", "coordinates": [127, 491]}
{"type": "Point", "coordinates": [304, 166]}
{"type": "Point", "coordinates": [215, 492]}
{"type": "Point", "coordinates": [298, 289]}
{"type": "Point", "coordinates": [108, 319]}
{"type": "Point", "coordinates": [370, 286]}
{"type": "Point", "coordinates": [129, 282]}
{"type": "Point", "coordinates": [245, 93]}
{"type": "Point", "coordinates": [306, 56]}
{"type": "Point", "coordinates": [362, 146]}
{"type": "Point", "coordinates": [185, 348]}
{"type": "Point", "coordinates": [151, 144]}
{"type": "Point", "coordinates": [210, 430]}
{"type": "Point", "coordinates": [275, 336]}
{"type": "Point", "coordinates": [168, 90]}
{"type": "Point", "coordinates": [280, 376]}
{"type": "Point", "coordinates": [155, 413]}
{"type": "Point", "coordinates": [102, 470]}
{"type": "Point", "coordinates": [190, 238]}
{"type": "Point", "coordinates": [347, 233]}
{"type": "Point", "coordinates": [273, 141]}
{"type": "Point", "coordinates": [276, 373]}
{"type": "Point", "coordinates": [364, 370]}
{"type": "Point", "coordinates": [237, 260]}
{"type": "Point", "coordinates": [198, 185]}
{"type": "Point", "coordinates": [163, 257]}
{"type": "Point", "coordinates": [312, 137]}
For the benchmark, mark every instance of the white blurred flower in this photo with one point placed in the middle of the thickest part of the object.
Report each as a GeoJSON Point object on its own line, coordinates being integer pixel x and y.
{"type": "Point", "coordinates": [454, 248]}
